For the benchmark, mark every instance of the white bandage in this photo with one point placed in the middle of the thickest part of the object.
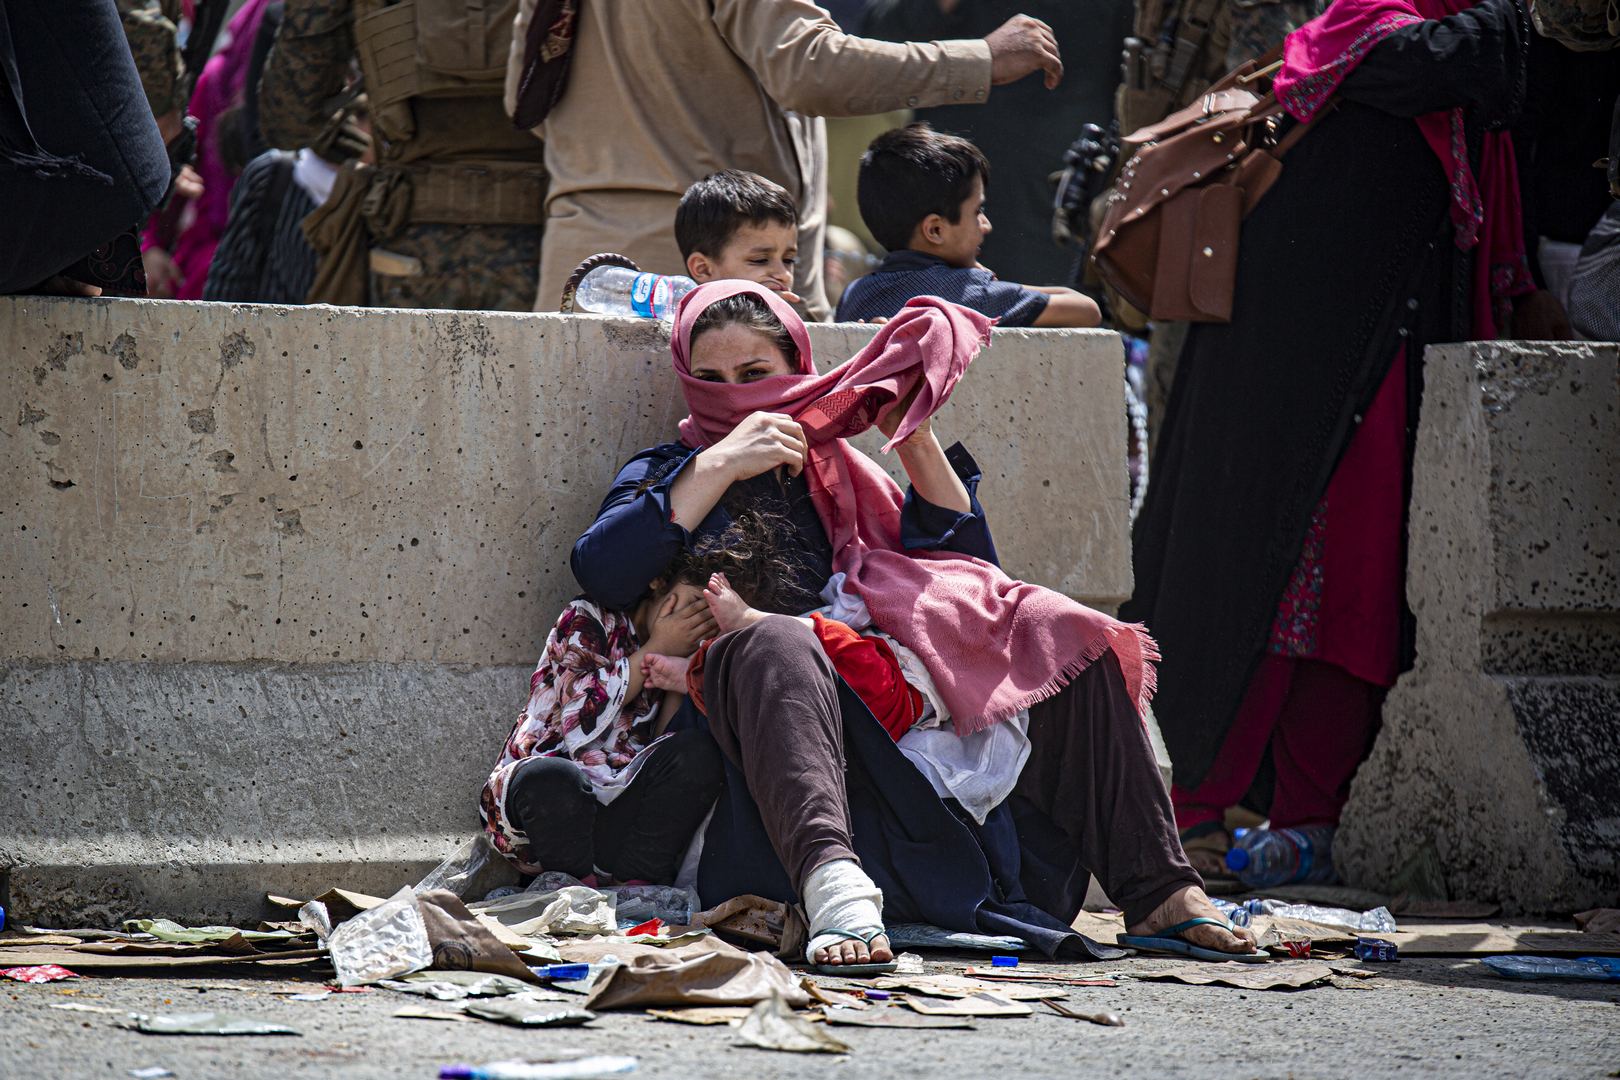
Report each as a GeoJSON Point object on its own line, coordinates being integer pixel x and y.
{"type": "Point", "coordinates": [839, 896]}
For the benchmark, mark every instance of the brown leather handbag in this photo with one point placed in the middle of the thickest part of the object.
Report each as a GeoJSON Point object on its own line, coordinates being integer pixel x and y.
{"type": "Point", "coordinates": [1169, 236]}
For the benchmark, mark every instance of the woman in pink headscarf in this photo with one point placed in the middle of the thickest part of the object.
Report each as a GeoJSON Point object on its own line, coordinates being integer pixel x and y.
{"type": "Point", "coordinates": [1270, 549]}
{"type": "Point", "coordinates": [202, 222]}
{"type": "Point", "coordinates": [1030, 769]}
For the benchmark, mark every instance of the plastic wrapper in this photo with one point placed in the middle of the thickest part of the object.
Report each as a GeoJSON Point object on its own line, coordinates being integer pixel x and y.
{"type": "Point", "coordinates": [576, 909]}
{"type": "Point", "coordinates": [601, 1065]}
{"type": "Point", "coordinates": [204, 1023]}
{"type": "Point", "coordinates": [637, 904]}
{"type": "Point", "coordinates": [315, 916]}
{"type": "Point", "coordinates": [924, 936]}
{"type": "Point", "coordinates": [387, 941]}
{"type": "Point", "coordinates": [1376, 921]}
{"type": "Point", "coordinates": [1595, 968]}
{"type": "Point", "coordinates": [771, 1025]}
{"type": "Point", "coordinates": [38, 973]}
{"type": "Point", "coordinates": [526, 1011]}
{"type": "Point", "coordinates": [471, 871]}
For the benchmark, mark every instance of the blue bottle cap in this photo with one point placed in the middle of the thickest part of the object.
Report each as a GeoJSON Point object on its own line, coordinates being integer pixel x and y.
{"type": "Point", "coordinates": [1237, 859]}
{"type": "Point", "coordinates": [1004, 961]}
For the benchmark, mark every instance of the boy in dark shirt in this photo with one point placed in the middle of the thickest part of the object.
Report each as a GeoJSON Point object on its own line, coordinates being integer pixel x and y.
{"type": "Point", "coordinates": [922, 196]}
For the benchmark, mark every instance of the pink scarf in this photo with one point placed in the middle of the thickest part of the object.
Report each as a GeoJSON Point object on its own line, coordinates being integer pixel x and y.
{"type": "Point", "coordinates": [992, 645]}
{"type": "Point", "coordinates": [1484, 206]}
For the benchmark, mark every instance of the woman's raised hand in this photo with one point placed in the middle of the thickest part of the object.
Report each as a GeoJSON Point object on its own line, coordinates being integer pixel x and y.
{"type": "Point", "coordinates": [760, 443]}
{"type": "Point", "coordinates": [683, 622]}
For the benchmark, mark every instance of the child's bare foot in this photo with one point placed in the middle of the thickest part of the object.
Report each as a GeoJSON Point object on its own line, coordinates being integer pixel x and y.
{"type": "Point", "coordinates": [730, 610]}
{"type": "Point", "coordinates": [664, 672]}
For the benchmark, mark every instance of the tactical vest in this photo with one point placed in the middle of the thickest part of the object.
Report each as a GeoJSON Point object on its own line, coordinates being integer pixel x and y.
{"type": "Point", "coordinates": [438, 51]}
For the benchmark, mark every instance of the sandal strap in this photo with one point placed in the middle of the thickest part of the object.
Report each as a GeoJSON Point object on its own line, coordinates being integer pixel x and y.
{"type": "Point", "coordinates": [1179, 928]}
{"type": "Point", "coordinates": [851, 935]}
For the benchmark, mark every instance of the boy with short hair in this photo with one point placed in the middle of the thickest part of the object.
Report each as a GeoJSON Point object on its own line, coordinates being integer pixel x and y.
{"type": "Point", "coordinates": [734, 224]}
{"type": "Point", "coordinates": [921, 194]}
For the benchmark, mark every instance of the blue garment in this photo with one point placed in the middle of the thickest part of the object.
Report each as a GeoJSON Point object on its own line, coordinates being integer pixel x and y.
{"type": "Point", "coordinates": [905, 274]}
{"type": "Point", "coordinates": [1015, 874]}
{"type": "Point", "coordinates": [634, 535]}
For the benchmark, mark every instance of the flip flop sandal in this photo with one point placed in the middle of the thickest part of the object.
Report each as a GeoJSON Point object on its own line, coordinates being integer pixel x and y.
{"type": "Point", "coordinates": [853, 971]}
{"type": "Point", "coordinates": [1173, 940]}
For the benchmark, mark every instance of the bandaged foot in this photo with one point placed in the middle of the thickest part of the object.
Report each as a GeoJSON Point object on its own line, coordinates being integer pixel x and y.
{"type": "Point", "coordinates": [729, 609]}
{"type": "Point", "coordinates": [838, 896]}
{"type": "Point", "coordinates": [664, 672]}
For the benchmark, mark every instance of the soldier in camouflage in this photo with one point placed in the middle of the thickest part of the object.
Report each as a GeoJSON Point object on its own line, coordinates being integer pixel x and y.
{"type": "Point", "coordinates": [450, 217]}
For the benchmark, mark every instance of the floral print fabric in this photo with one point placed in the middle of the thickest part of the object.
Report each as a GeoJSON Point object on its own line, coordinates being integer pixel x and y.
{"type": "Point", "coordinates": [1293, 633]}
{"type": "Point", "coordinates": [577, 709]}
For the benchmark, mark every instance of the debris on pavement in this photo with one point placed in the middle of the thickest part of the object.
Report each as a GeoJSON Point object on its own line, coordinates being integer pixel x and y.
{"type": "Point", "coordinates": [150, 1073]}
{"type": "Point", "coordinates": [826, 995]}
{"type": "Point", "coordinates": [1376, 951]}
{"type": "Point", "coordinates": [73, 1006]}
{"type": "Point", "coordinates": [1004, 961]}
{"type": "Point", "coordinates": [1596, 968]}
{"type": "Point", "coordinates": [758, 921]}
{"type": "Point", "coordinates": [983, 1003]}
{"type": "Point", "coordinates": [956, 986]}
{"type": "Point", "coordinates": [1106, 1019]}
{"type": "Point", "coordinates": [388, 940]}
{"type": "Point", "coordinates": [167, 930]}
{"type": "Point", "coordinates": [894, 1018]}
{"type": "Point", "coordinates": [924, 936]}
{"type": "Point", "coordinates": [907, 963]}
{"type": "Point", "coordinates": [455, 985]}
{"type": "Point", "coordinates": [526, 1011]}
{"type": "Point", "coordinates": [318, 996]}
{"type": "Point", "coordinates": [771, 1025]}
{"type": "Point", "coordinates": [708, 972]}
{"type": "Point", "coordinates": [703, 1014]}
{"type": "Point", "coordinates": [41, 973]}
{"type": "Point", "coordinates": [460, 942]}
{"type": "Point", "coordinates": [1283, 975]}
{"type": "Point", "coordinates": [1376, 921]}
{"type": "Point", "coordinates": [1599, 921]}
{"type": "Point", "coordinates": [1035, 976]}
{"type": "Point", "coordinates": [601, 1065]}
{"type": "Point", "coordinates": [417, 1012]}
{"type": "Point", "coordinates": [576, 909]}
{"type": "Point", "coordinates": [203, 1023]}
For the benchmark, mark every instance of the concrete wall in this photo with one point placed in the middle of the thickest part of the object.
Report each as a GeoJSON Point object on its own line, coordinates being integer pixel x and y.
{"type": "Point", "coordinates": [1503, 744]}
{"type": "Point", "coordinates": [273, 579]}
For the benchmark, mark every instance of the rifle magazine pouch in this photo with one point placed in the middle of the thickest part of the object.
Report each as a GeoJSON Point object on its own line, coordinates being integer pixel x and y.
{"type": "Point", "coordinates": [1198, 248]}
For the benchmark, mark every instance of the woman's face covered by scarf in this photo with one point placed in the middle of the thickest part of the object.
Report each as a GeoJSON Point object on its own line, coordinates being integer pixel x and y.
{"type": "Point", "coordinates": [735, 353]}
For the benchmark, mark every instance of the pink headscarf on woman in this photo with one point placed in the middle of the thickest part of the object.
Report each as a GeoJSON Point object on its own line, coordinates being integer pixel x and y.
{"type": "Point", "coordinates": [993, 645]}
{"type": "Point", "coordinates": [1484, 206]}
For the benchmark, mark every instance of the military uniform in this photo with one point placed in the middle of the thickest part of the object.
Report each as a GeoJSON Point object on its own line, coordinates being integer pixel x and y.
{"type": "Point", "coordinates": [152, 28]}
{"type": "Point", "coordinates": [451, 215]}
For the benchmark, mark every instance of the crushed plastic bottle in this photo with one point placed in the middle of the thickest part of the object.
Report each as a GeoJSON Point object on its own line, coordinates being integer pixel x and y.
{"type": "Point", "coordinates": [1264, 858]}
{"type": "Point", "coordinates": [614, 290]}
{"type": "Point", "coordinates": [1376, 921]}
{"type": "Point", "coordinates": [1596, 968]}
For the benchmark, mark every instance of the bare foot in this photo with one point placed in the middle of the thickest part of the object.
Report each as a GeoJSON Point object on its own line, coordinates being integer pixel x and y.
{"type": "Point", "coordinates": [856, 952]}
{"type": "Point", "coordinates": [664, 672]}
{"type": "Point", "coordinates": [1191, 903]}
{"type": "Point", "coordinates": [730, 610]}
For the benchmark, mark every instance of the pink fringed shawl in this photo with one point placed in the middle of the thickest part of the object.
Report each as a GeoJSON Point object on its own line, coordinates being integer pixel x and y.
{"type": "Point", "coordinates": [992, 644]}
{"type": "Point", "coordinates": [1484, 206]}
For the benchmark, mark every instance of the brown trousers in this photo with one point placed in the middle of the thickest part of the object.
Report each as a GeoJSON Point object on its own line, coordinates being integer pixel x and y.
{"type": "Point", "coordinates": [772, 701]}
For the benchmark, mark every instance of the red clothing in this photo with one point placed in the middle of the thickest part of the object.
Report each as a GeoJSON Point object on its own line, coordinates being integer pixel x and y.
{"type": "Point", "coordinates": [868, 665]}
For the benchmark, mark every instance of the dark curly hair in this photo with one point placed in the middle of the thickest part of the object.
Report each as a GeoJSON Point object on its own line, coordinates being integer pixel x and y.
{"type": "Point", "coordinates": [749, 551]}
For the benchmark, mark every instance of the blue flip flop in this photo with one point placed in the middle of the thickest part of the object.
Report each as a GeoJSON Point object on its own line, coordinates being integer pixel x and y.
{"type": "Point", "coordinates": [1171, 940]}
{"type": "Point", "coordinates": [854, 971]}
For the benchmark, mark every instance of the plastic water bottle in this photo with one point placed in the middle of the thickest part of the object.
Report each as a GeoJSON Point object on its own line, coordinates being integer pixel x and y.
{"type": "Point", "coordinates": [1267, 857]}
{"type": "Point", "coordinates": [613, 290]}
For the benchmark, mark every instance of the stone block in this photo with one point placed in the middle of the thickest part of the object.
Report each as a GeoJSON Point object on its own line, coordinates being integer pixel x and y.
{"type": "Point", "coordinates": [273, 579]}
{"type": "Point", "coordinates": [1502, 745]}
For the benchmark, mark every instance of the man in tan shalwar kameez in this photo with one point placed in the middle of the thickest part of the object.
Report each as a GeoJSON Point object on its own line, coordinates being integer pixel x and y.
{"type": "Point", "coordinates": [663, 92]}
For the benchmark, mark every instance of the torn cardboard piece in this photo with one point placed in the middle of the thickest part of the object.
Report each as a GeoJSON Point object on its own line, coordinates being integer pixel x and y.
{"type": "Point", "coordinates": [703, 1015]}
{"type": "Point", "coordinates": [707, 972]}
{"type": "Point", "coordinates": [1279, 975]}
{"type": "Point", "coordinates": [980, 1004]}
{"type": "Point", "coordinates": [771, 1025]}
{"type": "Point", "coordinates": [955, 986]}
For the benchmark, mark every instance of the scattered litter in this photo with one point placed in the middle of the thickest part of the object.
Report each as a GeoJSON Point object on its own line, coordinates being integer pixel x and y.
{"type": "Point", "coordinates": [1599, 921]}
{"type": "Point", "coordinates": [907, 963]}
{"type": "Point", "coordinates": [983, 1003]}
{"type": "Point", "coordinates": [341, 904]}
{"type": "Point", "coordinates": [455, 985]}
{"type": "Point", "coordinates": [894, 1018]}
{"type": "Point", "coordinates": [1038, 976]}
{"type": "Point", "coordinates": [150, 1073]}
{"type": "Point", "coordinates": [825, 995]}
{"type": "Point", "coordinates": [314, 916]}
{"type": "Point", "coordinates": [572, 910]}
{"type": "Point", "coordinates": [563, 971]}
{"type": "Point", "coordinates": [388, 940]}
{"type": "Point", "coordinates": [548, 1070]}
{"type": "Point", "coordinates": [461, 942]}
{"type": "Point", "coordinates": [703, 1014]}
{"type": "Point", "coordinates": [203, 1023]}
{"type": "Point", "coordinates": [166, 930]}
{"type": "Point", "coordinates": [924, 936]}
{"type": "Point", "coordinates": [1376, 951]}
{"type": "Point", "coordinates": [42, 973]}
{"type": "Point", "coordinates": [1106, 1019]}
{"type": "Point", "coordinates": [754, 919]}
{"type": "Point", "coordinates": [474, 869]}
{"type": "Point", "coordinates": [1299, 950]}
{"type": "Point", "coordinates": [1282, 975]}
{"type": "Point", "coordinates": [526, 1011]}
{"type": "Point", "coordinates": [1596, 968]}
{"type": "Point", "coordinates": [1353, 972]}
{"type": "Point", "coordinates": [706, 973]}
{"type": "Point", "coordinates": [417, 1012]}
{"type": "Point", "coordinates": [771, 1025]}
{"type": "Point", "coordinates": [73, 1006]}
{"type": "Point", "coordinates": [635, 904]}
{"type": "Point", "coordinates": [956, 986]}
{"type": "Point", "coordinates": [879, 995]}
{"type": "Point", "coordinates": [1004, 961]}
{"type": "Point", "coordinates": [650, 928]}
{"type": "Point", "coordinates": [227, 986]}
{"type": "Point", "coordinates": [1376, 921]}
{"type": "Point", "coordinates": [336, 989]}
{"type": "Point", "coordinates": [321, 996]}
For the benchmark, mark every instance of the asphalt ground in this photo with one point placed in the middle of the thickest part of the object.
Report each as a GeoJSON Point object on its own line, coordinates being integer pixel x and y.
{"type": "Point", "coordinates": [1417, 1018]}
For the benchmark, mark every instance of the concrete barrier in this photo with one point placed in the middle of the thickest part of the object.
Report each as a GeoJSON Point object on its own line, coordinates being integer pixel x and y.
{"type": "Point", "coordinates": [274, 578]}
{"type": "Point", "coordinates": [1502, 745]}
